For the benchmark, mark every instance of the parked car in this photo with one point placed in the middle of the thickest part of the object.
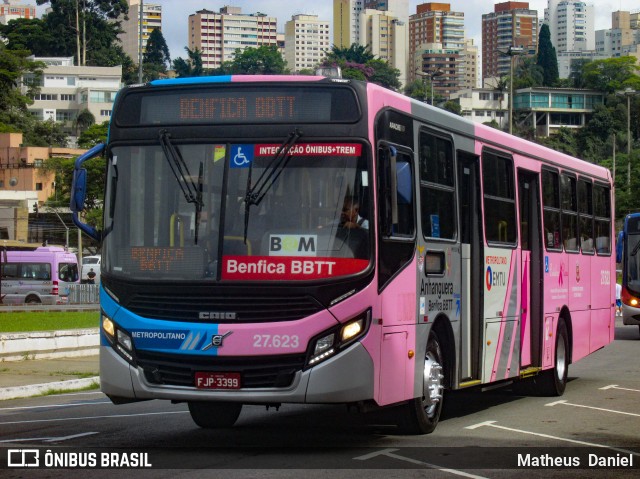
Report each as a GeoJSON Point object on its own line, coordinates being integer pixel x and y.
{"type": "Point", "coordinates": [90, 263]}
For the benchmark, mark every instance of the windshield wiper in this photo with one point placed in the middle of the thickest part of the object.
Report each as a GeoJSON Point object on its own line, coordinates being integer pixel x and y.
{"type": "Point", "coordinates": [269, 176]}
{"type": "Point", "coordinates": [192, 192]}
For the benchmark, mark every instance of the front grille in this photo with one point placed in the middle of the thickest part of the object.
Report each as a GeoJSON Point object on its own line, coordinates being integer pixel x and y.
{"type": "Point", "coordinates": [247, 309]}
{"type": "Point", "coordinates": [262, 372]}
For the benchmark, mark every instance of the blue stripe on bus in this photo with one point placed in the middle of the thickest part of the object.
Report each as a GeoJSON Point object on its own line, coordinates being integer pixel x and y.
{"type": "Point", "coordinates": [192, 80]}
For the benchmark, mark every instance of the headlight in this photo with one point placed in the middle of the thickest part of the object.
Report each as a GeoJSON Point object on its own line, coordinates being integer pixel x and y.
{"type": "Point", "coordinates": [119, 339]}
{"type": "Point", "coordinates": [334, 340]}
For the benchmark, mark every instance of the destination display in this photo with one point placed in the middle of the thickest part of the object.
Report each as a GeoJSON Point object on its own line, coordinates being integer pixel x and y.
{"type": "Point", "coordinates": [234, 105]}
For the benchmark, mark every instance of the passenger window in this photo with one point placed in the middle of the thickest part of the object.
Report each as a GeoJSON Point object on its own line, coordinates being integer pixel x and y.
{"type": "Point", "coordinates": [437, 193]}
{"type": "Point", "coordinates": [569, 214]}
{"type": "Point", "coordinates": [551, 206]}
{"type": "Point", "coordinates": [499, 199]}
{"type": "Point", "coordinates": [585, 205]}
{"type": "Point", "coordinates": [602, 220]}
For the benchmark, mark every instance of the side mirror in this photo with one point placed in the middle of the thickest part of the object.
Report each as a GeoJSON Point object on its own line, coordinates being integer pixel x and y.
{"type": "Point", "coordinates": [79, 190]}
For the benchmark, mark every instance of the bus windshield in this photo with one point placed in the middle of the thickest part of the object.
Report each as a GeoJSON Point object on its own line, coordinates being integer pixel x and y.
{"type": "Point", "coordinates": [183, 215]}
{"type": "Point", "coordinates": [633, 263]}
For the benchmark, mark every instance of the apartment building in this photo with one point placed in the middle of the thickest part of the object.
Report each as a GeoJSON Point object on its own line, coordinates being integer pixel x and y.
{"type": "Point", "coordinates": [151, 19]}
{"type": "Point", "coordinates": [571, 24]}
{"type": "Point", "coordinates": [14, 9]}
{"type": "Point", "coordinates": [346, 22]}
{"type": "Point", "coordinates": [307, 42]}
{"type": "Point", "coordinates": [437, 45]}
{"type": "Point", "coordinates": [387, 38]}
{"type": "Point", "coordinates": [219, 35]}
{"type": "Point", "coordinates": [66, 90]}
{"type": "Point", "coordinates": [510, 24]}
{"type": "Point", "coordinates": [623, 39]}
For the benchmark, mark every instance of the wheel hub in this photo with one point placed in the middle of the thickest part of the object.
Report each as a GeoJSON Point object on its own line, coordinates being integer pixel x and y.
{"type": "Point", "coordinates": [433, 385]}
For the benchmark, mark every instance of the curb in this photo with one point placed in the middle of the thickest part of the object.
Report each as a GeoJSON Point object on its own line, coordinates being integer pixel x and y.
{"type": "Point", "coordinates": [49, 344]}
{"type": "Point", "coordinates": [18, 392]}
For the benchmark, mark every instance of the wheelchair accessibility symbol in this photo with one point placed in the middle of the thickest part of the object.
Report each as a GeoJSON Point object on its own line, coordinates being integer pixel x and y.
{"type": "Point", "coordinates": [241, 156]}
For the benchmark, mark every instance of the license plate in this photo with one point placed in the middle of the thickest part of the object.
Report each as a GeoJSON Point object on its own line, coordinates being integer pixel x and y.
{"type": "Point", "coordinates": [207, 380]}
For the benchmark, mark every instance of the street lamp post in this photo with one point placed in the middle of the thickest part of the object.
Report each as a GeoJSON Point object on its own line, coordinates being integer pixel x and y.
{"type": "Point", "coordinates": [628, 92]}
{"type": "Point", "coordinates": [431, 76]}
{"type": "Point", "coordinates": [141, 7]}
{"type": "Point", "coordinates": [511, 52]}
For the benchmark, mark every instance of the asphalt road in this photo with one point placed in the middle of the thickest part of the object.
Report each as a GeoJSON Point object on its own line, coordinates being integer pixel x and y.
{"type": "Point", "coordinates": [481, 434]}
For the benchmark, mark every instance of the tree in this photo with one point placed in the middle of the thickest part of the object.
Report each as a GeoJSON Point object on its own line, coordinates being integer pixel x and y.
{"type": "Point", "coordinates": [417, 89]}
{"type": "Point", "coordinates": [192, 67]}
{"type": "Point", "coordinates": [91, 23]}
{"type": "Point", "coordinates": [453, 106]}
{"type": "Point", "coordinates": [384, 74]}
{"type": "Point", "coordinates": [33, 35]}
{"type": "Point", "coordinates": [83, 121]}
{"type": "Point", "coordinates": [156, 58]}
{"type": "Point", "coordinates": [547, 59]}
{"type": "Point", "coordinates": [94, 135]}
{"type": "Point", "coordinates": [527, 74]}
{"type": "Point", "coordinates": [96, 171]}
{"type": "Point", "coordinates": [264, 60]}
{"type": "Point", "coordinates": [14, 64]}
{"type": "Point", "coordinates": [611, 74]}
{"type": "Point", "coordinates": [356, 53]}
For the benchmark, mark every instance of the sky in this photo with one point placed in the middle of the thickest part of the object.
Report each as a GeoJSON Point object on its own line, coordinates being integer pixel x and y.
{"type": "Point", "coordinates": [175, 13]}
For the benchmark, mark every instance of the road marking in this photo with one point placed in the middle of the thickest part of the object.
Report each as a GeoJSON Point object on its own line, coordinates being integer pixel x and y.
{"type": "Point", "coordinates": [615, 386]}
{"type": "Point", "coordinates": [390, 453]}
{"type": "Point", "coordinates": [17, 408]}
{"type": "Point", "coordinates": [49, 439]}
{"type": "Point", "coordinates": [87, 418]}
{"type": "Point", "coordinates": [574, 441]}
{"type": "Point", "coordinates": [562, 401]}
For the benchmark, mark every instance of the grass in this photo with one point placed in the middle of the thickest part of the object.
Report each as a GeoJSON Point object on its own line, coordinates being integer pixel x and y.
{"type": "Point", "coordinates": [51, 392]}
{"type": "Point", "coordinates": [28, 321]}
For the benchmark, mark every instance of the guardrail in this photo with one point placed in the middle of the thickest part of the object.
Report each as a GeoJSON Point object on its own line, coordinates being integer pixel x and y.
{"type": "Point", "coordinates": [84, 293]}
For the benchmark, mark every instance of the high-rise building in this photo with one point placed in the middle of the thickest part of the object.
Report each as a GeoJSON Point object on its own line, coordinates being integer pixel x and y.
{"type": "Point", "coordinates": [437, 44]}
{"type": "Point", "coordinates": [386, 36]}
{"type": "Point", "coordinates": [219, 35]}
{"type": "Point", "coordinates": [306, 42]}
{"type": "Point", "coordinates": [14, 9]}
{"type": "Point", "coordinates": [571, 24]}
{"type": "Point", "coordinates": [346, 22]}
{"type": "Point", "coordinates": [623, 39]}
{"type": "Point", "coordinates": [151, 19]}
{"type": "Point", "coordinates": [511, 24]}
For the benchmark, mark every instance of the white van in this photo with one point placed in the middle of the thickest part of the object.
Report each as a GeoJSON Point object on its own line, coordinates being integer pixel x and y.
{"type": "Point", "coordinates": [41, 276]}
{"type": "Point", "coordinates": [91, 263]}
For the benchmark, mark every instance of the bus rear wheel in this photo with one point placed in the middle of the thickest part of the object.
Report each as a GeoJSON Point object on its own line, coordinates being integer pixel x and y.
{"type": "Point", "coordinates": [554, 381]}
{"type": "Point", "coordinates": [214, 415]}
{"type": "Point", "coordinates": [421, 415]}
{"type": "Point", "coordinates": [32, 300]}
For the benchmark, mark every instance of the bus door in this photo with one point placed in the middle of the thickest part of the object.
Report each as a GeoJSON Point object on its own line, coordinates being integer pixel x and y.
{"type": "Point", "coordinates": [472, 246]}
{"type": "Point", "coordinates": [531, 268]}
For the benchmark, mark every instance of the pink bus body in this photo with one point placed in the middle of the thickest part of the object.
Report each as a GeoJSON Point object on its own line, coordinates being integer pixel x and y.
{"type": "Point", "coordinates": [489, 261]}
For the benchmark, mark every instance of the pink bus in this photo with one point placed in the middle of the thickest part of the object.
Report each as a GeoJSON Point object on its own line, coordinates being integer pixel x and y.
{"type": "Point", "coordinates": [272, 240]}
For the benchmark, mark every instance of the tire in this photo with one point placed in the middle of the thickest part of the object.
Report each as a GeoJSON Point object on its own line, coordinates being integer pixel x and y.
{"type": "Point", "coordinates": [32, 300]}
{"type": "Point", "coordinates": [421, 415]}
{"type": "Point", "coordinates": [554, 381]}
{"type": "Point", "coordinates": [214, 415]}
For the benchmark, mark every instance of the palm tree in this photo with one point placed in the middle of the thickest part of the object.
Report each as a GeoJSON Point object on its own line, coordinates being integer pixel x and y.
{"type": "Point", "coordinates": [83, 121]}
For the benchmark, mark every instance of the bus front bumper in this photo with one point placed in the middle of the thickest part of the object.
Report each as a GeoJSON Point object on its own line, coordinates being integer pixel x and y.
{"type": "Point", "coordinates": [345, 378]}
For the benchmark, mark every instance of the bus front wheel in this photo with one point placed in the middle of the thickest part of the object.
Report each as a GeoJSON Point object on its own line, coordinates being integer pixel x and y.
{"type": "Point", "coordinates": [214, 415]}
{"type": "Point", "coordinates": [421, 415]}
